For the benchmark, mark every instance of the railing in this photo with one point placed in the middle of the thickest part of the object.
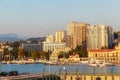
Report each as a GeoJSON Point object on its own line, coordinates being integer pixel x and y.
{"type": "Point", "coordinates": [85, 71]}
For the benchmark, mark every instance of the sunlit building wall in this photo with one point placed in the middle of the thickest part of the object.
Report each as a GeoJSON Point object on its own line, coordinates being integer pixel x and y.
{"type": "Point", "coordinates": [51, 46]}
{"type": "Point", "coordinates": [77, 32]}
{"type": "Point", "coordinates": [60, 36]}
{"type": "Point", "coordinates": [99, 36]}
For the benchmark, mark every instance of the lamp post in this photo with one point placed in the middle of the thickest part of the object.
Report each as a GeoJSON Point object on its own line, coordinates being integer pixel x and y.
{"type": "Point", "coordinates": [112, 73]}
{"type": "Point", "coordinates": [49, 60]}
{"type": "Point", "coordinates": [64, 68]}
{"type": "Point", "coordinates": [94, 72]}
{"type": "Point", "coordinates": [105, 73]}
{"type": "Point", "coordinates": [9, 49]}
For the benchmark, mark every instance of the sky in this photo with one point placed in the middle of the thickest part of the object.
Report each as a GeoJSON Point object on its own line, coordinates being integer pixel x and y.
{"type": "Point", "coordinates": [43, 17]}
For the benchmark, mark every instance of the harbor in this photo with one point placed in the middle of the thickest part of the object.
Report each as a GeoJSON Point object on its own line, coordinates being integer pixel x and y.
{"type": "Point", "coordinates": [62, 72]}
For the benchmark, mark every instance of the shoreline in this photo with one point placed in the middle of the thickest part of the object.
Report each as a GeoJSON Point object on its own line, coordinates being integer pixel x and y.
{"type": "Point", "coordinates": [47, 63]}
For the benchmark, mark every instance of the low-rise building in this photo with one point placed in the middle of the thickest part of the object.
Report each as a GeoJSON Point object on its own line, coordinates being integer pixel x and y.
{"type": "Point", "coordinates": [107, 55]}
{"type": "Point", "coordinates": [56, 53]}
{"type": "Point", "coordinates": [50, 46]}
{"type": "Point", "coordinates": [30, 47]}
{"type": "Point", "coordinates": [74, 58]}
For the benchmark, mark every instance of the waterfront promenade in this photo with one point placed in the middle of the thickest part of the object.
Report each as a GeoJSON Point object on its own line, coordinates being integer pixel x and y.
{"type": "Point", "coordinates": [63, 77]}
{"type": "Point", "coordinates": [65, 72]}
{"type": "Point", "coordinates": [31, 77]}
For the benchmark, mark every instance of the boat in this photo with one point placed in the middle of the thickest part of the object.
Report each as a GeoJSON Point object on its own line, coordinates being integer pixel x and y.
{"type": "Point", "coordinates": [96, 63]}
{"type": "Point", "coordinates": [109, 64]}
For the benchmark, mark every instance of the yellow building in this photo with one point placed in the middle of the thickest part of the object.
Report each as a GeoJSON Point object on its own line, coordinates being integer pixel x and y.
{"type": "Point", "coordinates": [108, 55]}
{"type": "Point", "coordinates": [60, 36]}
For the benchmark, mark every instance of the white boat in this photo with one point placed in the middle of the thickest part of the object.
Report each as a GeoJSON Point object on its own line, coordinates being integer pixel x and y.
{"type": "Point", "coordinates": [108, 64]}
{"type": "Point", "coordinates": [96, 64]}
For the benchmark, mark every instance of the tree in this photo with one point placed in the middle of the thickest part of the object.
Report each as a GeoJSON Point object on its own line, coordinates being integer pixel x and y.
{"type": "Point", "coordinates": [14, 53]}
{"type": "Point", "coordinates": [43, 55]}
{"type": "Point", "coordinates": [34, 55]}
{"type": "Point", "coordinates": [15, 44]}
{"type": "Point", "coordinates": [63, 54]}
{"type": "Point", "coordinates": [81, 50]}
{"type": "Point", "coordinates": [21, 53]}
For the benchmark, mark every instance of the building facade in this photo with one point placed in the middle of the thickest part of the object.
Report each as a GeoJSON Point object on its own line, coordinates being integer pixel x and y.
{"type": "Point", "coordinates": [51, 46]}
{"type": "Point", "coordinates": [77, 32]}
{"type": "Point", "coordinates": [50, 39]}
{"type": "Point", "coordinates": [30, 47]}
{"type": "Point", "coordinates": [99, 36]}
{"type": "Point", "coordinates": [107, 55]}
{"type": "Point", "coordinates": [56, 53]}
{"type": "Point", "coordinates": [117, 40]}
{"type": "Point", "coordinates": [118, 37]}
{"type": "Point", "coordinates": [60, 36]}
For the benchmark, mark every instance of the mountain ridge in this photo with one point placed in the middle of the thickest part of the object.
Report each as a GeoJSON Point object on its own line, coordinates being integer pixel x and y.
{"type": "Point", "coordinates": [10, 37]}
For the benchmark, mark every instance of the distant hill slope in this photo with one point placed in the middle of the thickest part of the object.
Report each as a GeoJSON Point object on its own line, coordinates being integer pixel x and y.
{"type": "Point", "coordinates": [36, 39]}
{"type": "Point", "coordinates": [9, 37]}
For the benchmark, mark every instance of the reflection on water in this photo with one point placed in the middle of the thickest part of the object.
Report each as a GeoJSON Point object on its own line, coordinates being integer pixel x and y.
{"type": "Point", "coordinates": [38, 68]}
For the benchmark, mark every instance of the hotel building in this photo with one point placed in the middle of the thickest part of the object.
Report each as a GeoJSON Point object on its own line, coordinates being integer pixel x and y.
{"type": "Point", "coordinates": [60, 36]}
{"type": "Point", "coordinates": [76, 32]}
{"type": "Point", "coordinates": [99, 36]}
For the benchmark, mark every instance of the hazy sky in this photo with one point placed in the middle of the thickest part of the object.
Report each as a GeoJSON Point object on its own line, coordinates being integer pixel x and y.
{"type": "Point", "coordinates": [42, 17]}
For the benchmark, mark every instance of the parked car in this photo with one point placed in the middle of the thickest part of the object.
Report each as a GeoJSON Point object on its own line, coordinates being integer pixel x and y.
{"type": "Point", "coordinates": [4, 74]}
{"type": "Point", "coordinates": [13, 73]}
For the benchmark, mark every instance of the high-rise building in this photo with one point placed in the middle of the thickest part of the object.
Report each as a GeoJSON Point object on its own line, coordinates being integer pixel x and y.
{"type": "Point", "coordinates": [76, 32]}
{"type": "Point", "coordinates": [60, 36]}
{"type": "Point", "coordinates": [99, 36]}
{"type": "Point", "coordinates": [118, 38]}
{"type": "Point", "coordinates": [92, 40]}
{"type": "Point", "coordinates": [110, 37]}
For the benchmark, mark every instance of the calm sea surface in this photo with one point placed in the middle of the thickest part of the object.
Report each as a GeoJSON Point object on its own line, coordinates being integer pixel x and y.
{"type": "Point", "coordinates": [38, 68]}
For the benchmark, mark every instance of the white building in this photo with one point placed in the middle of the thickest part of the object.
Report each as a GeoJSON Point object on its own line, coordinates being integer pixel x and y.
{"type": "Point", "coordinates": [51, 46]}
{"type": "Point", "coordinates": [60, 36]}
{"type": "Point", "coordinates": [49, 39]}
{"type": "Point", "coordinates": [99, 36]}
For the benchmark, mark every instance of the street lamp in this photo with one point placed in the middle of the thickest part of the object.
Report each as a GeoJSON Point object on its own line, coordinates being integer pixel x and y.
{"type": "Point", "coordinates": [64, 68]}
{"type": "Point", "coordinates": [49, 60]}
{"type": "Point", "coordinates": [112, 73]}
{"type": "Point", "coordinates": [105, 73]}
{"type": "Point", "coordinates": [9, 49]}
{"type": "Point", "coordinates": [94, 72]}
